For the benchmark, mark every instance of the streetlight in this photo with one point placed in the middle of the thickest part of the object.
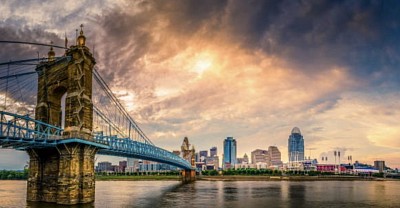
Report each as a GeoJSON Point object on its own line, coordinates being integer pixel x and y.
{"type": "Point", "coordinates": [335, 153]}
{"type": "Point", "coordinates": [339, 161]}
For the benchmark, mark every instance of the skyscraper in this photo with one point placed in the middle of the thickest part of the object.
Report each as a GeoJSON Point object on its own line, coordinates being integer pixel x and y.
{"type": "Point", "coordinates": [380, 165]}
{"type": "Point", "coordinates": [296, 146]}
{"type": "Point", "coordinates": [213, 151]}
{"type": "Point", "coordinates": [229, 153]}
{"type": "Point", "coordinates": [274, 156]}
{"type": "Point", "coordinates": [203, 154]}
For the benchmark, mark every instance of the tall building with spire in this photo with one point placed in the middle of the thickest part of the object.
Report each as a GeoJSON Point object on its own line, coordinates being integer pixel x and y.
{"type": "Point", "coordinates": [295, 146]}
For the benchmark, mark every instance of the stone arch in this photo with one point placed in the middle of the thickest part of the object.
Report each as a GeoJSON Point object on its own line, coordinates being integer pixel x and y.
{"type": "Point", "coordinates": [56, 96]}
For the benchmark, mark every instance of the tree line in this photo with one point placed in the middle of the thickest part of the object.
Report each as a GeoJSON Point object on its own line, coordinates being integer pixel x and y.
{"type": "Point", "coordinates": [14, 174]}
{"type": "Point", "coordinates": [161, 173]}
{"type": "Point", "coordinates": [267, 172]}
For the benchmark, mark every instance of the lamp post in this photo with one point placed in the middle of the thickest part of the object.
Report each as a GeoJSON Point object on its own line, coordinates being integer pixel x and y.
{"type": "Point", "coordinates": [351, 163]}
{"type": "Point", "coordinates": [335, 153]}
{"type": "Point", "coordinates": [339, 162]}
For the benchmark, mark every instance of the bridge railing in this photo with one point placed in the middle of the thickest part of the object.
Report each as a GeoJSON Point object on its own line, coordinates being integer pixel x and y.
{"type": "Point", "coordinates": [128, 147]}
{"type": "Point", "coordinates": [23, 130]}
{"type": "Point", "coordinates": [15, 126]}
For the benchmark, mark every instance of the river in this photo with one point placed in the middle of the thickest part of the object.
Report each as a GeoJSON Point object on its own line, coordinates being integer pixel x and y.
{"type": "Point", "coordinates": [114, 194]}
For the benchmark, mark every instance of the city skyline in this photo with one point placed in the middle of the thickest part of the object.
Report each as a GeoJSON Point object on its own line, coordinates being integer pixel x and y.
{"type": "Point", "coordinates": [231, 68]}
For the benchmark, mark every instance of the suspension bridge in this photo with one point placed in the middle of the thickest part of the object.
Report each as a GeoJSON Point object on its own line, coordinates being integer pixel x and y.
{"type": "Point", "coordinates": [62, 112]}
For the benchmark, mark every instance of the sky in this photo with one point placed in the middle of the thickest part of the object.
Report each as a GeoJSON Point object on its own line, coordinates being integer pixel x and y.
{"type": "Point", "coordinates": [248, 69]}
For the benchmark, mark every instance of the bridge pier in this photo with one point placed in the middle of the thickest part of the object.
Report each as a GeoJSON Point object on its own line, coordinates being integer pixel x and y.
{"type": "Point", "coordinates": [62, 175]}
{"type": "Point", "coordinates": [188, 176]}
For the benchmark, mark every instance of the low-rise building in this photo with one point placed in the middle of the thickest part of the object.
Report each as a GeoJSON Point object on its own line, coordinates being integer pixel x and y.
{"type": "Point", "coordinates": [332, 168]}
{"type": "Point", "coordinates": [212, 161]}
{"type": "Point", "coordinates": [245, 166]}
{"type": "Point", "coordinates": [379, 165]}
{"type": "Point", "coordinates": [104, 166]}
{"type": "Point", "coordinates": [122, 165]}
{"type": "Point", "coordinates": [243, 160]}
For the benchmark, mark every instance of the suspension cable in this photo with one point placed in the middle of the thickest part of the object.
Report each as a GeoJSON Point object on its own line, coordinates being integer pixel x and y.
{"type": "Point", "coordinates": [116, 101]}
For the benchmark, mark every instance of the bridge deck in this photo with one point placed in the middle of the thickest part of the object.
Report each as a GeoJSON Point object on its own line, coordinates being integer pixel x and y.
{"type": "Point", "coordinates": [22, 132]}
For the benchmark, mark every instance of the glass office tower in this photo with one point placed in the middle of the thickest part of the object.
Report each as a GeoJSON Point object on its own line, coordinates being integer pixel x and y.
{"type": "Point", "coordinates": [296, 146]}
{"type": "Point", "coordinates": [229, 160]}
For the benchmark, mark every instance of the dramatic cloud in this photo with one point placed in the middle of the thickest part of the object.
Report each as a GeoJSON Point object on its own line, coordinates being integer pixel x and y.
{"type": "Point", "coordinates": [248, 69]}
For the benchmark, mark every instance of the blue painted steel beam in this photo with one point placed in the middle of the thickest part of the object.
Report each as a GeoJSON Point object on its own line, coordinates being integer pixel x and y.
{"type": "Point", "coordinates": [129, 148]}
{"type": "Point", "coordinates": [142, 157]}
{"type": "Point", "coordinates": [82, 141]}
{"type": "Point", "coordinates": [23, 132]}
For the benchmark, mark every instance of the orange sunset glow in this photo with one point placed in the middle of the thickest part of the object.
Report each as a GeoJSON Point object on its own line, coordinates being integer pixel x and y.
{"type": "Point", "coordinates": [251, 70]}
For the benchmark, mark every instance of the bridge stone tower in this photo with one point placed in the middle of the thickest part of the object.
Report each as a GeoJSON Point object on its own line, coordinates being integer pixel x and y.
{"type": "Point", "coordinates": [65, 174]}
{"type": "Point", "coordinates": [188, 154]}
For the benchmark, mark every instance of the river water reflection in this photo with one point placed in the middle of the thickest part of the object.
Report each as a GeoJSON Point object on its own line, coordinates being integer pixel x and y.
{"type": "Point", "coordinates": [225, 194]}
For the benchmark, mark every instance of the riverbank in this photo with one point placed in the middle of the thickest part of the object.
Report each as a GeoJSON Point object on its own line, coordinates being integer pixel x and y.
{"type": "Point", "coordinates": [14, 174]}
{"type": "Point", "coordinates": [243, 178]}
{"type": "Point", "coordinates": [237, 178]}
{"type": "Point", "coordinates": [291, 178]}
{"type": "Point", "coordinates": [137, 178]}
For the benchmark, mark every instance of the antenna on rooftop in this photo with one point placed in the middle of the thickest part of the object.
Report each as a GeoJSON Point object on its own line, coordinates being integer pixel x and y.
{"type": "Point", "coordinates": [76, 36]}
{"type": "Point", "coordinates": [66, 43]}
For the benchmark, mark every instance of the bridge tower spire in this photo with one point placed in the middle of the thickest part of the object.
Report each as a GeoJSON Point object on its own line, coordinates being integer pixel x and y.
{"type": "Point", "coordinates": [189, 155]}
{"type": "Point", "coordinates": [65, 174]}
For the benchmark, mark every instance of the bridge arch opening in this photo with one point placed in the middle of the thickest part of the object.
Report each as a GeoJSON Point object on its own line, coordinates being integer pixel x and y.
{"type": "Point", "coordinates": [59, 97]}
{"type": "Point", "coordinates": [63, 100]}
